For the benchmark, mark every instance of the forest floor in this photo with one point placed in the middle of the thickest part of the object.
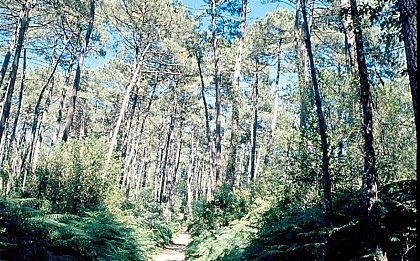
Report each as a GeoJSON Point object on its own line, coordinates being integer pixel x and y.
{"type": "Point", "coordinates": [175, 251]}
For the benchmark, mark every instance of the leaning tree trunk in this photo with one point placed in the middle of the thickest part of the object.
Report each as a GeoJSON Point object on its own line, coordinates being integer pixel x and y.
{"type": "Point", "coordinates": [134, 78]}
{"type": "Point", "coordinates": [76, 83]}
{"type": "Point", "coordinates": [6, 60]}
{"type": "Point", "coordinates": [321, 120]}
{"type": "Point", "coordinates": [23, 25]}
{"type": "Point", "coordinates": [19, 106]}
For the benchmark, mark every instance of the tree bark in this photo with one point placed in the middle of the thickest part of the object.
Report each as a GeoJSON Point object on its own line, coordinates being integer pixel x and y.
{"type": "Point", "coordinates": [19, 106]}
{"type": "Point", "coordinates": [124, 106]}
{"type": "Point", "coordinates": [369, 167]}
{"type": "Point", "coordinates": [321, 120]}
{"type": "Point", "coordinates": [254, 126]}
{"type": "Point", "coordinates": [23, 26]}
{"type": "Point", "coordinates": [7, 57]}
{"type": "Point", "coordinates": [164, 178]}
{"type": "Point", "coordinates": [275, 111]}
{"type": "Point", "coordinates": [76, 83]}
{"type": "Point", "coordinates": [235, 97]}
{"type": "Point", "coordinates": [408, 18]}
{"type": "Point", "coordinates": [366, 101]}
{"type": "Point", "coordinates": [209, 144]}
{"type": "Point", "coordinates": [217, 105]}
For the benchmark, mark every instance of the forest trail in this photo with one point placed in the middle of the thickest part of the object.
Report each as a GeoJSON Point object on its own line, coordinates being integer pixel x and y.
{"type": "Point", "coordinates": [175, 251]}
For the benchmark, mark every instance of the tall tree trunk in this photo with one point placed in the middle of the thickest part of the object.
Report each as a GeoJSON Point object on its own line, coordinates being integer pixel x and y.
{"type": "Point", "coordinates": [23, 26]}
{"type": "Point", "coordinates": [217, 105]}
{"type": "Point", "coordinates": [408, 17]}
{"type": "Point", "coordinates": [19, 106]}
{"type": "Point", "coordinates": [7, 57]}
{"type": "Point", "coordinates": [235, 96]}
{"type": "Point", "coordinates": [59, 117]}
{"type": "Point", "coordinates": [134, 78]}
{"type": "Point", "coordinates": [164, 178]}
{"type": "Point", "coordinates": [321, 120]}
{"type": "Point", "coordinates": [366, 101]}
{"type": "Point", "coordinates": [36, 131]}
{"type": "Point", "coordinates": [275, 110]}
{"type": "Point", "coordinates": [349, 36]}
{"type": "Point", "coordinates": [190, 177]}
{"type": "Point", "coordinates": [305, 96]}
{"type": "Point", "coordinates": [76, 83]}
{"type": "Point", "coordinates": [254, 124]}
{"type": "Point", "coordinates": [41, 128]}
{"type": "Point", "coordinates": [209, 144]}
{"type": "Point", "coordinates": [369, 167]}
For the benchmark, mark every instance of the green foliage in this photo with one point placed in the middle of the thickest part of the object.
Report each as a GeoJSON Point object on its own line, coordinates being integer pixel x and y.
{"type": "Point", "coordinates": [28, 227]}
{"type": "Point", "coordinates": [225, 243]}
{"type": "Point", "coordinates": [71, 177]}
{"type": "Point", "coordinates": [219, 212]}
{"type": "Point", "coordinates": [286, 231]}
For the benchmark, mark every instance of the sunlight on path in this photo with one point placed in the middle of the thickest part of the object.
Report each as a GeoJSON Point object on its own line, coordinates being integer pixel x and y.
{"type": "Point", "coordinates": [175, 251]}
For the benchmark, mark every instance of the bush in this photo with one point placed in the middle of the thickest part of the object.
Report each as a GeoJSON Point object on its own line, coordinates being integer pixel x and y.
{"type": "Point", "coordinates": [71, 177]}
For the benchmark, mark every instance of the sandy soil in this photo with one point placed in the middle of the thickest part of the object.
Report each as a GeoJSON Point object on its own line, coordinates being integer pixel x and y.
{"type": "Point", "coordinates": [175, 251]}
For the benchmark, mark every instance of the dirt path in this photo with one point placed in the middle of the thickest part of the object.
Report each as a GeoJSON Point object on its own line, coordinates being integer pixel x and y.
{"type": "Point", "coordinates": [175, 251]}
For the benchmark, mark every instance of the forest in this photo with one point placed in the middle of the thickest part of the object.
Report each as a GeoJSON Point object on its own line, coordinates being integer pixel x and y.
{"type": "Point", "coordinates": [289, 136]}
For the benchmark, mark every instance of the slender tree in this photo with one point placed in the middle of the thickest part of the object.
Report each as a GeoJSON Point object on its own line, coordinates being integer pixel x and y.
{"type": "Point", "coordinates": [321, 119]}
{"type": "Point", "coordinates": [23, 24]}
{"type": "Point", "coordinates": [217, 105]}
{"type": "Point", "coordinates": [76, 83]}
{"type": "Point", "coordinates": [235, 97]}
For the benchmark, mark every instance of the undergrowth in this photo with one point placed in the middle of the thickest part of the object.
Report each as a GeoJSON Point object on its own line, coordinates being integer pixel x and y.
{"type": "Point", "coordinates": [280, 230]}
{"type": "Point", "coordinates": [28, 229]}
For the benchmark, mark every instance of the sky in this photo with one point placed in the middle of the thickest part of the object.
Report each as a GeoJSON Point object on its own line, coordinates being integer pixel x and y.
{"type": "Point", "coordinates": [256, 8]}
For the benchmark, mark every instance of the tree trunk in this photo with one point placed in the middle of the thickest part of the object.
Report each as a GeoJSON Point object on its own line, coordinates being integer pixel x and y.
{"type": "Point", "coordinates": [23, 26]}
{"type": "Point", "coordinates": [41, 128]}
{"type": "Point", "coordinates": [275, 110]}
{"type": "Point", "coordinates": [19, 106]}
{"type": "Point", "coordinates": [254, 124]}
{"type": "Point", "coordinates": [59, 118]}
{"type": "Point", "coordinates": [321, 120]}
{"type": "Point", "coordinates": [217, 105]}
{"type": "Point", "coordinates": [134, 78]}
{"type": "Point", "coordinates": [366, 101]}
{"type": "Point", "coordinates": [408, 18]}
{"type": "Point", "coordinates": [190, 177]}
{"type": "Point", "coordinates": [36, 132]}
{"type": "Point", "coordinates": [209, 144]}
{"type": "Point", "coordinates": [76, 83]}
{"type": "Point", "coordinates": [235, 97]}
{"type": "Point", "coordinates": [7, 57]}
{"type": "Point", "coordinates": [167, 149]}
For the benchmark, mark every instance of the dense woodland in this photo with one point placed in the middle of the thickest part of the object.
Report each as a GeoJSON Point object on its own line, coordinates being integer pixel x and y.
{"type": "Point", "coordinates": [289, 137]}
